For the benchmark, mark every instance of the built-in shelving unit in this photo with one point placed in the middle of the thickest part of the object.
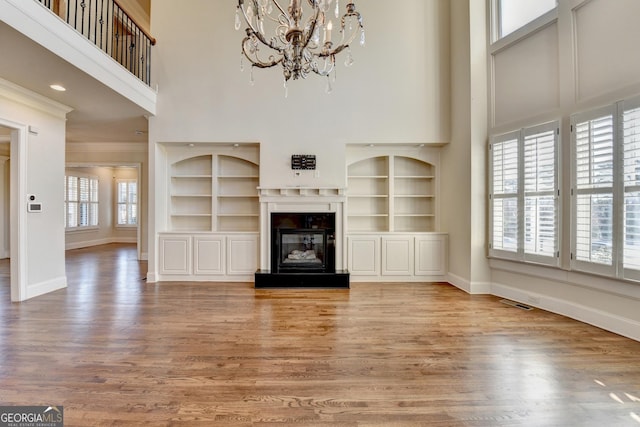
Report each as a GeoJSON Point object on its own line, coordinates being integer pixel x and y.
{"type": "Point", "coordinates": [214, 192]}
{"type": "Point", "coordinates": [413, 195]}
{"type": "Point", "coordinates": [191, 194]}
{"type": "Point", "coordinates": [392, 225]}
{"type": "Point", "coordinates": [391, 193]}
{"type": "Point", "coordinates": [368, 195]}
{"type": "Point", "coordinates": [237, 197]}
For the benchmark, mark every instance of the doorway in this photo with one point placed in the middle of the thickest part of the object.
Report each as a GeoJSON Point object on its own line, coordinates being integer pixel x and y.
{"type": "Point", "coordinates": [111, 226]}
{"type": "Point", "coordinates": [5, 226]}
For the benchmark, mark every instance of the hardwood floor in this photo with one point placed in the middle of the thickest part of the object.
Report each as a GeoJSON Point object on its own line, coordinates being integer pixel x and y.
{"type": "Point", "coordinates": [116, 351]}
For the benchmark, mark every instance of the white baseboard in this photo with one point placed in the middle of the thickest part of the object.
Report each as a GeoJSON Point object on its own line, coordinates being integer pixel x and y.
{"type": "Point", "coordinates": [98, 242]}
{"type": "Point", "coordinates": [601, 319]}
{"type": "Point", "coordinates": [42, 288]}
{"type": "Point", "coordinates": [473, 288]}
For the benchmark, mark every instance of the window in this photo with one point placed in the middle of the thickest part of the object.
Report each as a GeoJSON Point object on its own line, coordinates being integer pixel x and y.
{"type": "Point", "coordinates": [127, 190]}
{"type": "Point", "coordinates": [631, 169]}
{"type": "Point", "coordinates": [80, 202]}
{"type": "Point", "coordinates": [606, 190]}
{"type": "Point", "coordinates": [514, 14]}
{"type": "Point", "coordinates": [524, 196]}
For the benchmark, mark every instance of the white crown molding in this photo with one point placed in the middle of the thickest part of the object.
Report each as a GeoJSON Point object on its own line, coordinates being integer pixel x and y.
{"type": "Point", "coordinates": [107, 147]}
{"type": "Point", "coordinates": [16, 93]}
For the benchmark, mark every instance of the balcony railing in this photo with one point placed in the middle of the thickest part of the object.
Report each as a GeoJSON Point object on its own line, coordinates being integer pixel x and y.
{"type": "Point", "coordinates": [109, 27]}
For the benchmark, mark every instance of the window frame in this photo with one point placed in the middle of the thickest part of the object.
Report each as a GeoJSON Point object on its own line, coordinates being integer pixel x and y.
{"type": "Point", "coordinates": [127, 181]}
{"type": "Point", "coordinates": [617, 269]}
{"type": "Point", "coordinates": [631, 104]}
{"type": "Point", "coordinates": [93, 206]}
{"type": "Point", "coordinates": [498, 41]}
{"type": "Point", "coordinates": [521, 253]}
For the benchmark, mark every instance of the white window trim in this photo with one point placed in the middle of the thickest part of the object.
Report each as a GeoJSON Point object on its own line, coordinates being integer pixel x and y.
{"type": "Point", "coordinates": [575, 264]}
{"type": "Point", "coordinates": [616, 270]}
{"type": "Point", "coordinates": [520, 254]}
{"type": "Point", "coordinates": [527, 30]}
{"type": "Point", "coordinates": [82, 228]}
{"type": "Point", "coordinates": [117, 203]}
{"type": "Point", "coordinates": [499, 253]}
{"type": "Point", "coordinates": [626, 273]}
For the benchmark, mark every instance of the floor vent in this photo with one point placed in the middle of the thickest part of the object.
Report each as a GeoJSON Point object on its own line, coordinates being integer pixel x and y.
{"type": "Point", "coordinates": [516, 304]}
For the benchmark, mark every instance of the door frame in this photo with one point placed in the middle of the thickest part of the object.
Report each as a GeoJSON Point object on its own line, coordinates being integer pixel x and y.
{"type": "Point", "coordinates": [18, 208]}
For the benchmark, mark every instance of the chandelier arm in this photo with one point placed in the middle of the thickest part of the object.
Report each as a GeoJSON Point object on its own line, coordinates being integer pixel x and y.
{"type": "Point", "coordinates": [282, 11]}
{"type": "Point", "coordinates": [353, 36]}
{"type": "Point", "coordinates": [313, 27]}
{"type": "Point", "coordinates": [255, 61]}
{"type": "Point", "coordinates": [325, 72]}
{"type": "Point", "coordinates": [255, 31]}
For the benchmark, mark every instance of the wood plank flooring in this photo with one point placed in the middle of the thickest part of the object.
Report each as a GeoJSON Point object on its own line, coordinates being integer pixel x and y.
{"type": "Point", "coordinates": [117, 351]}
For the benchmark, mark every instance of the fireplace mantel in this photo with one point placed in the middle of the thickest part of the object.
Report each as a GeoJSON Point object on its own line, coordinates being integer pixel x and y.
{"type": "Point", "coordinates": [301, 200]}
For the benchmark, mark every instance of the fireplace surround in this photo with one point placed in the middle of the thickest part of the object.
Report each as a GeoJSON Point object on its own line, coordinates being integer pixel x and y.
{"type": "Point", "coordinates": [302, 238]}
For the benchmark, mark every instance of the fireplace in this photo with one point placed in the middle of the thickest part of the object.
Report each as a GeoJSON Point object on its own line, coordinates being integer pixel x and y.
{"type": "Point", "coordinates": [303, 242]}
{"type": "Point", "coordinates": [302, 238]}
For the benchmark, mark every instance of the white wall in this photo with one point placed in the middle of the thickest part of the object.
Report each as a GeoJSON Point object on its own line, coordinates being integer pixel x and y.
{"type": "Point", "coordinates": [398, 90]}
{"type": "Point", "coordinates": [41, 235]}
{"type": "Point", "coordinates": [464, 159]}
{"type": "Point", "coordinates": [577, 60]}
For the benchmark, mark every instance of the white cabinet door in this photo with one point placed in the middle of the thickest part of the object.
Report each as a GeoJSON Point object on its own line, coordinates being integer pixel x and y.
{"type": "Point", "coordinates": [175, 254]}
{"type": "Point", "coordinates": [242, 254]}
{"type": "Point", "coordinates": [431, 255]}
{"type": "Point", "coordinates": [363, 257]}
{"type": "Point", "coordinates": [397, 255]}
{"type": "Point", "coordinates": [208, 255]}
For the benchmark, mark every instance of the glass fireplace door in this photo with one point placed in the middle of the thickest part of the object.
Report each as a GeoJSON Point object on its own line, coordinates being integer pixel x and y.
{"type": "Point", "coordinates": [301, 250]}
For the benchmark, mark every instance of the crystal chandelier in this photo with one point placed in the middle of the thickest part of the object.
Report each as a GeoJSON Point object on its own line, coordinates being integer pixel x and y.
{"type": "Point", "coordinates": [300, 38]}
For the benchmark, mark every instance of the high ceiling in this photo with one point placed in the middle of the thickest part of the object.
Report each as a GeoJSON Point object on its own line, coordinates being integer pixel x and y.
{"type": "Point", "coordinates": [99, 113]}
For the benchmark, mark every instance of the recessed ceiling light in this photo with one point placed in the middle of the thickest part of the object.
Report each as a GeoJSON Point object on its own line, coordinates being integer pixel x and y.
{"type": "Point", "coordinates": [59, 88]}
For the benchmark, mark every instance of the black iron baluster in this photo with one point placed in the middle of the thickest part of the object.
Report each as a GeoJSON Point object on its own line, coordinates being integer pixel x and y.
{"type": "Point", "coordinates": [82, 6]}
{"type": "Point", "coordinates": [119, 36]}
{"type": "Point", "coordinates": [101, 22]}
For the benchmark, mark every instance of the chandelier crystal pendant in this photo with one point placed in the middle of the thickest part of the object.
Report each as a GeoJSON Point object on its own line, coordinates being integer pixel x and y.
{"type": "Point", "coordinates": [300, 38]}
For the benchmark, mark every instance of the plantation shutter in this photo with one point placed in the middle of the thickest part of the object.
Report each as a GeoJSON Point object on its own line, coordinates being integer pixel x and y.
{"type": "Point", "coordinates": [504, 194]}
{"type": "Point", "coordinates": [540, 193]}
{"type": "Point", "coordinates": [593, 148]}
{"type": "Point", "coordinates": [631, 183]}
{"type": "Point", "coordinates": [72, 201]}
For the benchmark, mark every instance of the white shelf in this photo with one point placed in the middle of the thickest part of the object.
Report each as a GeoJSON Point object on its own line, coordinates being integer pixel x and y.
{"type": "Point", "coordinates": [237, 206]}
{"type": "Point", "coordinates": [391, 193]}
{"type": "Point", "coordinates": [214, 192]}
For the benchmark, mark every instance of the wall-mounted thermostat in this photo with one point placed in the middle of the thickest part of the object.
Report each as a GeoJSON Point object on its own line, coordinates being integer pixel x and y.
{"type": "Point", "coordinates": [34, 207]}
{"type": "Point", "coordinates": [303, 161]}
